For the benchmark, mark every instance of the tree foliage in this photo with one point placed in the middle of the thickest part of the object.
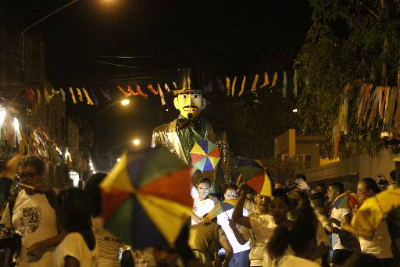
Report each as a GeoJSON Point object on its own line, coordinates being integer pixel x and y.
{"type": "Point", "coordinates": [348, 42]}
{"type": "Point", "coordinates": [252, 122]}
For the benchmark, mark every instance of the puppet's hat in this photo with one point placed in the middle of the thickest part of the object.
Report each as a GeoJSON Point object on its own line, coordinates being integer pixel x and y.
{"type": "Point", "coordinates": [190, 80]}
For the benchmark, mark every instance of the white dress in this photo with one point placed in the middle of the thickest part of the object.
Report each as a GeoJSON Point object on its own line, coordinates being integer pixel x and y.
{"type": "Point", "coordinates": [75, 246]}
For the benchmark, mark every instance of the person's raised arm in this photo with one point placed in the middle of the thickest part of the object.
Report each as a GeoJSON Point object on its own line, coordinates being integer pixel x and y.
{"type": "Point", "coordinates": [239, 236]}
{"type": "Point", "coordinates": [237, 215]}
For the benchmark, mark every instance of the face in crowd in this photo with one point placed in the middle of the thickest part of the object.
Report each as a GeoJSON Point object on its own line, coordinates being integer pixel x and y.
{"type": "Point", "coordinates": [190, 104]}
{"type": "Point", "coordinates": [231, 194]}
{"type": "Point", "coordinates": [332, 193]}
{"type": "Point", "coordinates": [30, 176]}
{"type": "Point", "coordinates": [363, 192]}
{"type": "Point", "coordinates": [262, 203]}
{"type": "Point", "coordinates": [279, 209]}
{"type": "Point", "coordinates": [204, 190]}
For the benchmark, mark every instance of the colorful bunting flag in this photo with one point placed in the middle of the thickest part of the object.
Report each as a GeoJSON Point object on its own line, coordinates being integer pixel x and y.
{"type": "Point", "coordinates": [78, 91]}
{"type": "Point", "coordinates": [131, 92]}
{"type": "Point", "coordinates": [151, 89]}
{"type": "Point", "coordinates": [140, 92]}
{"type": "Point", "coordinates": [275, 79]}
{"type": "Point", "coordinates": [123, 91]}
{"type": "Point", "coordinates": [106, 94]}
{"type": "Point", "coordinates": [233, 86]}
{"type": "Point", "coordinates": [72, 95]}
{"type": "Point", "coordinates": [161, 95]}
{"type": "Point", "coordinates": [254, 85]}
{"type": "Point", "coordinates": [46, 96]}
{"type": "Point", "coordinates": [266, 80]}
{"type": "Point", "coordinates": [62, 94]}
{"type": "Point", "coordinates": [39, 96]}
{"type": "Point", "coordinates": [89, 101]}
{"type": "Point", "coordinates": [167, 87]}
{"type": "Point", "coordinates": [243, 85]}
{"type": "Point", "coordinates": [228, 85]}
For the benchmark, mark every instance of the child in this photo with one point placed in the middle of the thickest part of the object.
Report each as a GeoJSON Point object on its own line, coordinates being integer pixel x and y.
{"type": "Point", "coordinates": [202, 203]}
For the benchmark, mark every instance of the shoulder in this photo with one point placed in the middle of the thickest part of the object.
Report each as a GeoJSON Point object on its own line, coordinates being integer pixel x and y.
{"type": "Point", "coordinates": [163, 128]}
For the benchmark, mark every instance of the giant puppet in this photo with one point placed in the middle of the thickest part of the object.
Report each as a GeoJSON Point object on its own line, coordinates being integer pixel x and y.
{"type": "Point", "coordinates": [181, 134]}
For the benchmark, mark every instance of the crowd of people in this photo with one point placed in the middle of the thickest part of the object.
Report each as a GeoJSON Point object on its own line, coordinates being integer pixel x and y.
{"type": "Point", "coordinates": [296, 226]}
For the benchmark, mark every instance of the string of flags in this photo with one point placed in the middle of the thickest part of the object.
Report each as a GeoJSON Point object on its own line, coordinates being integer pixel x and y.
{"type": "Point", "coordinates": [234, 87]}
{"type": "Point", "coordinates": [375, 107]}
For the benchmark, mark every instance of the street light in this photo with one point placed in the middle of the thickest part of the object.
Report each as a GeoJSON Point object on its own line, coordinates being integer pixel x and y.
{"type": "Point", "coordinates": [124, 102]}
{"type": "Point", "coordinates": [136, 142]}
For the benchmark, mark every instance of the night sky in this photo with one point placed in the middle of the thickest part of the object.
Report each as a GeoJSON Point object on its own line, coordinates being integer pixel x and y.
{"type": "Point", "coordinates": [99, 45]}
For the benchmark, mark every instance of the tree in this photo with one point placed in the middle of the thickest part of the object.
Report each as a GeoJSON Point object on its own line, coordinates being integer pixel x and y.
{"type": "Point", "coordinates": [252, 122]}
{"type": "Point", "coordinates": [350, 42]}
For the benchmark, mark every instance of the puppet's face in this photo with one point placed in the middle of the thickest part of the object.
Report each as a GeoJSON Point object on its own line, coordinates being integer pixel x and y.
{"type": "Point", "coordinates": [190, 105]}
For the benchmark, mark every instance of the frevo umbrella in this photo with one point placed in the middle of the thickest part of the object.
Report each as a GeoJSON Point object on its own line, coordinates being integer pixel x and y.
{"type": "Point", "coordinates": [255, 175]}
{"type": "Point", "coordinates": [205, 155]}
{"type": "Point", "coordinates": [375, 209]}
{"type": "Point", "coordinates": [146, 198]}
{"type": "Point", "coordinates": [221, 207]}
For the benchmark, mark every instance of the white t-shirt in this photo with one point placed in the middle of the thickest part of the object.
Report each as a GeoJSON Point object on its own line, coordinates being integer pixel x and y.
{"type": "Point", "coordinates": [223, 220]}
{"type": "Point", "coordinates": [75, 246]}
{"type": "Point", "coordinates": [35, 220]}
{"type": "Point", "coordinates": [202, 207]}
{"type": "Point", "coordinates": [338, 214]}
{"type": "Point", "coordinates": [262, 228]}
{"type": "Point", "coordinates": [108, 244]}
{"type": "Point", "coordinates": [293, 261]}
{"type": "Point", "coordinates": [379, 246]}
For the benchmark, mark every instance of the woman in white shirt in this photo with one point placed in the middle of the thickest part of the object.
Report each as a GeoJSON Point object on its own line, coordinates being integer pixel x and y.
{"type": "Point", "coordinates": [377, 243]}
{"type": "Point", "coordinates": [79, 245]}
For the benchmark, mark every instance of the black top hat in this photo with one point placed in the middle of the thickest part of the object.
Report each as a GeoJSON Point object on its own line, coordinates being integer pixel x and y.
{"type": "Point", "coordinates": [190, 80]}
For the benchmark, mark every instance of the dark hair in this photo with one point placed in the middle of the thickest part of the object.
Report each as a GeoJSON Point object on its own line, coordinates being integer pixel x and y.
{"type": "Point", "coordinates": [34, 161]}
{"type": "Point", "coordinates": [73, 205]}
{"type": "Point", "coordinates": [393, 175]}
{"type": "Point", "coordinates": [281, 193]}
{"type": "Point", "coordinates": [370, 184]}
{"type": "Point", "coordinates": [92, 189]}
{"type": "Point", "coordinates": [303, 210]}
{"type": "Point", "coordinates": [338, 186]}
{"type": "Point", "coordinates": [203, 180]}
{"type": "Point", "coordinates": [231, 186]}
{"type": "Point", "coordinates": [318, 200]}
{"type": "Point", "coordinates": [298, 238]}
{"type": "Point", "coordinates": [321, 185]}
